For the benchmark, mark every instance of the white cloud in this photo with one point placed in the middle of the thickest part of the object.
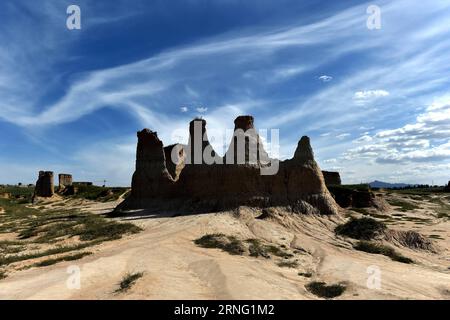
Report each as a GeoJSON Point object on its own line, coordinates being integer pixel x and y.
{"type": "Point", "coordinates": [184, 109]}
{"type": "Point", "coordinates": [343, 135]}
{"type": "Point", "coordinates": [370, 94]}
{"type": "Point", "coordinates": [201, 109]}
{"type": "Point", "coordinates": [364, 138]}
{"type": "Point", "coordinates": [325, 78]}
{"type": "Point", "coordinates": [288, 72]}
{"type": "Point", "coordinates": [428, 139]}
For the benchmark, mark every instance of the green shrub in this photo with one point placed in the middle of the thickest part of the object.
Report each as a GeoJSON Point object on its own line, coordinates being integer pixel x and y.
{"type": "Point", "coordinates": [377, 248]}
{"type": "Point", "coordinates": [128, 281]}
{"type": "Point", "coordinates": [256, 249]}
{"type": "Point", "coordinates": [228, 244]}
{"type": "Point", "coordinates": [53, 227]}
{"type": "Point", "coordinates": [404, 206]}
{"type": "Point", "coordinates": [288, 264]}
{"type": "Point", "coordinates": [321, 289]}
{"type": "Point", "coordinates": [361, 229]}
{"type": "Point", "coordinates": [99, 193]}
{"type": "Point", "coordinates": [305, 274]}
{"type": "Point", "coordinates": [72, 257]}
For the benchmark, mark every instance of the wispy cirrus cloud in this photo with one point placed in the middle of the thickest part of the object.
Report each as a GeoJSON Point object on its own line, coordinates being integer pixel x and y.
{"type": "Point", "coordinates": [370, 94]}
{"type": "Point", "coordinates": [270, 71]}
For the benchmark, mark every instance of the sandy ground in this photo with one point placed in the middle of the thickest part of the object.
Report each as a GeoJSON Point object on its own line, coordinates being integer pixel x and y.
{"type": "Point", "coordinates": [175, 268]}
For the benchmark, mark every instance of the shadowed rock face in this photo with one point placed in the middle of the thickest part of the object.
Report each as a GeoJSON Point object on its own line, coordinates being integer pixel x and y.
{"type": "Point", "coordinates": [332, 178]}
{"type": "Point", "coordinates": [44, 185]}
{"type": "Point", "coordinates": [199, 150]}
{"type": "Point", "coordinates": [151, 180]}
{"type": "Point", "coordinates": [347, 197]}
{"type": "Point", "coordinates": [203, 187]}
{"type": "Point", "coordinates": [304, 152]}
{"type": "Point", "coordinates": [246, 146]}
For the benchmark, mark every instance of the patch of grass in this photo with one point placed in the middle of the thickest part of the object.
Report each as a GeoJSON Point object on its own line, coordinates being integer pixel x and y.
{"type": "Point", "coordinates": [305, 274]}
{"type": "Point", "coordinates": [288, 264]}
{"type": "Point", "coordinates": [444, 209]}
{"type": "Point", "coordinates": [26, 193]}
{"type": "Point", "coordinates": [6, 260]}
{"type": "Point", "coordinates": [256, 249]}
{"type": "Point", "coordinates": [404, 206]}
{"type": "Point", "coordinates": [322, 290]}
{"type": "Point", "coordinates": [418, 191]}
{"type": "Point", "coordinates": [377, 248]}
{"type": "Point", "coordinates": [235, 246]}
{"type": "Point", "coordinates": [279, 252]}
{"type": "Point", "coordinates": [367, 212]}
{"type": "Point", "coordinates": [110, 230]}
{"type": "Point", "coordinates": [15, 210]}
{"type": "Point", "coordinates": [128, 281]}
{"type": "Point", "coordinates": [8, 247]}
{"type": "Point", "coordinates": [228, 244]}
{"type": "Point", "coordinates": [422, 197]}
{"type": "Point", "coordinates": [72, 257]}
{"type": "Point", "coordinates": [98, 193]}
{"type": "Point", "coordinates": [52, 225]}
{"type": "Point", "coordinates": [361, 229]}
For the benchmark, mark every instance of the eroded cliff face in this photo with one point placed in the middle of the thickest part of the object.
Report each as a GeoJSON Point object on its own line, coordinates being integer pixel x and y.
{"type": "Point", "coordinates": [44, 185]}
{"type": "Point", "coordinates": [217, 183]}
{"type": "Point", "coordinates": [151, 180]}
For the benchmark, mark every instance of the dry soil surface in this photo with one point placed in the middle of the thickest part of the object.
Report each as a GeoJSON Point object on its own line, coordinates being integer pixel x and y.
{"type": "Point", "coordinates": [174, 267]}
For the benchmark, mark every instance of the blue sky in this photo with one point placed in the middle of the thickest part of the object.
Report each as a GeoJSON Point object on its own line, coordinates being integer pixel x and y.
{"type": "Point", "coordinates": [376, 103]}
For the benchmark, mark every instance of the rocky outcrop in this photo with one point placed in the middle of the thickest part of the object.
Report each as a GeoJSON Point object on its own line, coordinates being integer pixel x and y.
{"type": "Point", "coordinates": [246, 146]}
{"type": "Point", "coordinates": [346, 197]}
{"type": "Point", "coordinates": [44, 185]}
{"type": "Point", "coordinates": [199, 151]}
{"type": "Point", "coordinates": [65, 180]}
{"type": "Point", "coordinates": [332, 178]}
{"type": "Point", "coordinates": [212, 183]}
{"type": "Point", "coordinates": [151, 180]}
{"type": "Point", "coordinates": [305, 182]}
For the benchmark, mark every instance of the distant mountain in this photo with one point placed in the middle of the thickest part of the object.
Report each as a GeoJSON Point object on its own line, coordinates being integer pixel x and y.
{"type": "Point", "coordinates": [386, 185]}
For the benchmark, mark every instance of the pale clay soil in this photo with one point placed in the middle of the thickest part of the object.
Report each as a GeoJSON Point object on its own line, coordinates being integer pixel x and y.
{"type": "Point", "coordinates": [175, 268]}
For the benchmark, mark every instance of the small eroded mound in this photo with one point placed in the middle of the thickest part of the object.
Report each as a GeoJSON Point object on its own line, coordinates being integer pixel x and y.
{"type": "Point", "coordinates": [410, 239]}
